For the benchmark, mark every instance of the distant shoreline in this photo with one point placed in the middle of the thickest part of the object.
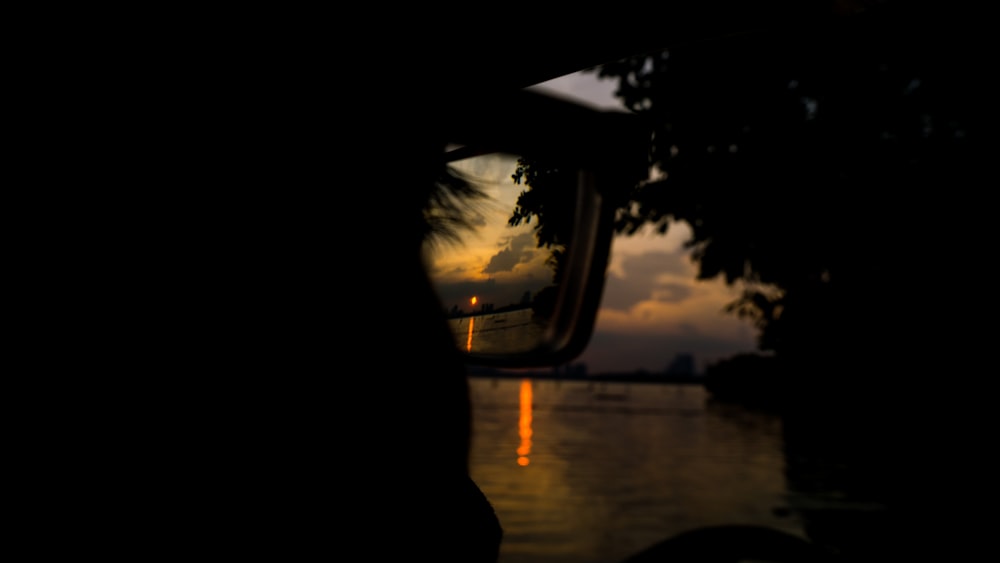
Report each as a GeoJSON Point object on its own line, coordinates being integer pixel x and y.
{"type": "Point", "coordinates": [623, 377]}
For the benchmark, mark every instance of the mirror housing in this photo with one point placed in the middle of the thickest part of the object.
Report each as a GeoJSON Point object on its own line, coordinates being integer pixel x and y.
{"type": "Point", "coordinates": [574, 167]}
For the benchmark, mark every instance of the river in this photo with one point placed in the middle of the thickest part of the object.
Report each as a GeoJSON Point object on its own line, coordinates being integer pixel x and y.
{"type": "Point", "coordinates": [592, 472]}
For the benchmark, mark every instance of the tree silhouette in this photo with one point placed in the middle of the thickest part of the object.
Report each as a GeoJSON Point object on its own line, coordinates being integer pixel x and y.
{"type": "Point", "coordinates": [833, 171]}
{"type": "Point", "coordinates": [787, 150]}
{"type": "Point", "coordinates": [548, 188]}
{"type": "Point", "coordinates": [451, 206]}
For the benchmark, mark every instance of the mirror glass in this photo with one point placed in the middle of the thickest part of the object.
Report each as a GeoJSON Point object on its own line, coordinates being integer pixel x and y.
{"type": "Point", "coordinates": [500, 226]}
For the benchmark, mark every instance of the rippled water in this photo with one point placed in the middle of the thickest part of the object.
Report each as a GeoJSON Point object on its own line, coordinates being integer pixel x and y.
{"type": "Point", "coordinates": [593, 472]}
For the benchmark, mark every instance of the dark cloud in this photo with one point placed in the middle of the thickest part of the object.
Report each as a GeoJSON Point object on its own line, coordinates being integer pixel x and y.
{"type": "Point", "coordinates": [504, 261]}
{"type": "Point", "coordinates": [517, 250]}
{"type": "Point", "coordinates": [640, 282]}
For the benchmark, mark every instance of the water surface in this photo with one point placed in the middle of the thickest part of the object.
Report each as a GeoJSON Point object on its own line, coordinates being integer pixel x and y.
{"type": "Point", "coordinates": [591, 472]}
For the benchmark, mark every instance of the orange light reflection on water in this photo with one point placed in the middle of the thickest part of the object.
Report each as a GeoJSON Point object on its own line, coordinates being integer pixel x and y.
{"type": "Point", "coordinates": [524, 424]}
{"type": "Point", "coordinates": [468, 345]}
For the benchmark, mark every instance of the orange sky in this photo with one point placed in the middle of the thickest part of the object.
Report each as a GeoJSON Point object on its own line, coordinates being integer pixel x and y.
{"type": "Point", "coordinates": [653, 308]}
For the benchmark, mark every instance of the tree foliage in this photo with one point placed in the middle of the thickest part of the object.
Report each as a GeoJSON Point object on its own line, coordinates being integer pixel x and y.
{"type": "Point", "coordinates": [788, 151]}
{"type": "Point", "coordinates": [451, 206]}
{"type": "Point", "coordinates": [547, 189]}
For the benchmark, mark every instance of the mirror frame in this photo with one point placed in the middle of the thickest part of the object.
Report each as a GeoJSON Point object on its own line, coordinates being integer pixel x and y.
{"type": "Point", "coordinates": [609, 150]}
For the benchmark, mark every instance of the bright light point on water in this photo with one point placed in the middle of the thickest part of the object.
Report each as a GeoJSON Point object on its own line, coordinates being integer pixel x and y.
{"type": "Point", "coordinates": [473, 300]}
{"type": "Point", "coordinates": [524, 424]}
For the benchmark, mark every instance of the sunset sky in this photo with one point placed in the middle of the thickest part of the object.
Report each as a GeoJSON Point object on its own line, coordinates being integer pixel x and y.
{"type": "Point", "coordinates": [653, 308]}
{"type": "Point", "coordinates": [492, 261]}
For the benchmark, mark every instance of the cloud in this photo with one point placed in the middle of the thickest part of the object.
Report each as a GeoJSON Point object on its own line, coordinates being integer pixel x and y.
{"type": "Point", "coordinates": [518, 249]}
{"type": "Point", "coordinates": [654, 308]}
{"type": "Point", "coordinates": [651, 276]}
{"type": "Point", "coordinates": [671, 292]}
{"type": "Point", "coordinates": [503, 261]}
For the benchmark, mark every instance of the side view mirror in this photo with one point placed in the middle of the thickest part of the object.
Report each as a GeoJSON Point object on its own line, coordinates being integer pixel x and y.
{"type": "Point", "coordinates": [522, 226]}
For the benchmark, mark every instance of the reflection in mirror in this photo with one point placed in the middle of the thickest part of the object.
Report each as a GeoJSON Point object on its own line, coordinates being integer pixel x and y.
{"type": "Point", "coordinates": [496, 249]}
